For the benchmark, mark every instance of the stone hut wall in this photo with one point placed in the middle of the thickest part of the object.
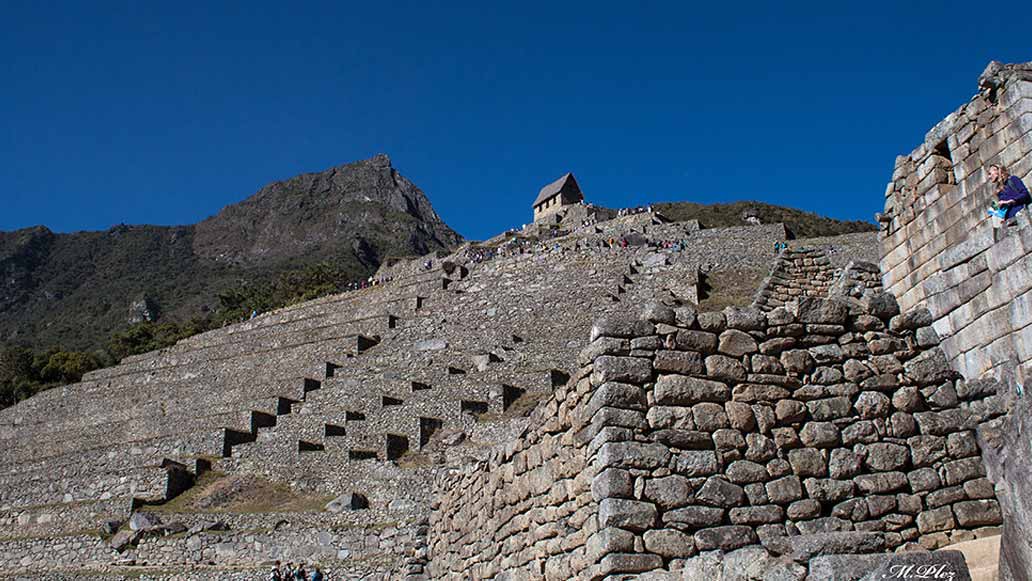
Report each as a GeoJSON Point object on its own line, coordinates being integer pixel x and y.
{"type": "Point", "coordinates": [938, 248]}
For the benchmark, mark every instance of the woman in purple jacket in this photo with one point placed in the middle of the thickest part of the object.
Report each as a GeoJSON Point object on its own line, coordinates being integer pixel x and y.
{"type": "Point", "coordinates": [1011, 193]}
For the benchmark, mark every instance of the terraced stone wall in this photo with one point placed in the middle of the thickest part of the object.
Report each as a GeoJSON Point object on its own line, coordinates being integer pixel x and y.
{"type": "Point", "coordinates": [528, 509]}
{"type": "Point", "coordinates": [716, 431]}
{"type": "Point", "coordinates": [809, 272]}
{"type": "Point", "coordinates": [353, 547]}
{"type": "Point", "coordinates": [731, 429]}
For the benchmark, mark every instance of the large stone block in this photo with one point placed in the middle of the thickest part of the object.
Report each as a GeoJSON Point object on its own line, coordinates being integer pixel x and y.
{"type": "Point", "coordinates": [709, 416]}
{"type": "Point", "coordinates": [695, 463]}
{"type": "Point", "coordinates": [978, 513]}
{"type": "Point", "coordinates": [628, 563]}
{"type": "Point", "coordinates": [621, 369]}
{"type": "Point", "coordinates": [756, 515]}
{"type": "Point", "coordinates": [668, 492]}
{"type": "Point", "coordinates": [736, 343]}
{"type": "Point", "coordinates": [886, 456]}
{"type": "Point", "coordinates": [745, 472]}
{"type": "Point", "coordinates": [819, 311]}
{"type": "Point", "coordinates": [610, 540]}
{"type": "Point", "coordinates": [621, 327]}
{"type": "Point", "coordinates": [618, 395]}
{"type": "Point", "coordinates": [699, 341]}
{"type": "Point", "coordinates": [828, 409]}
{"type": "Point", "coordinates": [943, 422]}
{"type": "Point", "coordinates": [785, 490]}
{"type": "Point", "coordinates": [828, 490]}
{"type": "Point", "coordinates": [683, 439]}
{"type": "Point", "coordinates": [753, 393]}
{"type": "Point", "coordinates": [632, 515]}
{"type": "Point", "coordinates": [727, 538]}
{"type": "Point", "coordinates": [633, 455]}
{"type": "Point", "coordinates": [808, 462]}
{"type": "Point", "coordinates": [725, 368]}
{"type": "Point", "coordinates": [745, 318]}
{"type": "Point", "coordinates": [911, 320]}
{"type": "Point", "coordinates": [965, 251]}
{"type": "Point", "coordinates": [612, 483]}
{"type": "Point", "coordinates": [820, 435]}
{"type": "Point", "coordinates": [669, 543]}
{"type": "Point", "coordinates": [843, 464]}
{"type": "Point", "coordinates": [682, 362]}
{"type": "Point", "coordinates": [960, 471]}
{"type": "Point", "coordinates": [881, 483]}
{"type": "Point", "coordinates": [802, 548]}
{"type": "Point", "coordinates": [939, 519]}
{"type": "Point", "coordinates": [720, 493]}
{"type": "Point", "coordinates": [695, 516]}
{"type": "Point", "coordinates": [680, 390]}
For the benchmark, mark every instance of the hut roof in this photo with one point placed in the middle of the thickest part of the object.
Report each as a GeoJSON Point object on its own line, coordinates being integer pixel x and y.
{"type": "Point", "coordinates": [556, 187]}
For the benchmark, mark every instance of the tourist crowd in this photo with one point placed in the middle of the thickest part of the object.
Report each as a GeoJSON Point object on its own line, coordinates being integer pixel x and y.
{"type": "Point", "coordinates": [292, 572]}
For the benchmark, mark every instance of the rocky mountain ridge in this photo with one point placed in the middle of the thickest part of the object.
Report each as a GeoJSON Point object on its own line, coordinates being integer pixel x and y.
{"type": "Point", "coordinates": [75, 289]}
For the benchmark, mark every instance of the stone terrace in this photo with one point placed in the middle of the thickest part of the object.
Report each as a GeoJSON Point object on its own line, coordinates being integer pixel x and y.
{"type": "Point", "coordinates": [784, 438]}
{"type": "Point", "coordinates": [338, 395]}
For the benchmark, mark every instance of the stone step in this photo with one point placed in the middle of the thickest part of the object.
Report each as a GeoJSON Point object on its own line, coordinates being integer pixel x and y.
{"type": "Point", "coordinates": [54, 520]}
{"type": "Point", "coordinates": [133, 430]}
{"type": "Point", "coordinates": [181, 447]}
{"type": "Point", "coordinates": [191, 396]}
{"type": "Point", "coordinates": [206, 354]}
{"type": "Point", "coordinates": [147, 482]}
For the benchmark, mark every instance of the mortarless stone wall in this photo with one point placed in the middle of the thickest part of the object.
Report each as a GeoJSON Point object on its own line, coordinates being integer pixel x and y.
{"type": "Point", "coordinates": [938, 248]}
{"type": "Point", "coordinates": [719, 431]}
{"type": "Point", "coordinates": [526, 510]}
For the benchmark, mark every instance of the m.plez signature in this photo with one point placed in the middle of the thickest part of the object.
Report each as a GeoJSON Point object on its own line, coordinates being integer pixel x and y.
{"type": "Point", "coordinates": [939, 571]}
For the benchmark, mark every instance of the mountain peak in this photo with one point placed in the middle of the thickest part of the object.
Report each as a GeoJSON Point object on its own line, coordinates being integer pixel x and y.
{"type": "Point", "coordinates": [309, 212]}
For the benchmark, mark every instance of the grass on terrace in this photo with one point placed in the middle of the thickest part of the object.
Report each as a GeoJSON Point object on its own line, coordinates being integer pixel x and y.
{"type": "Point", "coordinates": [216, 492]}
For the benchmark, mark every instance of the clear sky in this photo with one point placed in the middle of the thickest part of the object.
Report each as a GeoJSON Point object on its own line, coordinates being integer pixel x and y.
{"type": "Point", "coordinates": [164, 112]}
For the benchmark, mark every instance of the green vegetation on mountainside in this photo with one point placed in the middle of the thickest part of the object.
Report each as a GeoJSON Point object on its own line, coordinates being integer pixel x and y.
{"type": "Point", "coordinates": [25, 371]}
{"type": "Point", "coordinates": [801, 224]}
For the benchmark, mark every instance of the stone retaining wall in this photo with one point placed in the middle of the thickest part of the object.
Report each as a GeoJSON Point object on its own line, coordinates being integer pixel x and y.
{"type": "Point", "coordinates": [527, 510]}
{"type": "Point", "coordinates": [736, 428]}
{"type": "Point", "coordinates": [716, 431]}
{"type": "Point", "coordinates": [372, 548]}
{"type": "Point", "coordinates": [939, 250]}
{"type": "Point", "coordinates": [809, 272]}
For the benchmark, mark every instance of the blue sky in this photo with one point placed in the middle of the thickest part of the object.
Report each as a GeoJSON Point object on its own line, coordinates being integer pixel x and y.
{"type": "Point", "coordinates": [163, 113]}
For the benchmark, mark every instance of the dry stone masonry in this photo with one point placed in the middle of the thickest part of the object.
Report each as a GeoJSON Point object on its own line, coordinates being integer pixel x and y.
{"type": "Point", "coordinates": [363, 395]}
{"type": "Point", "coordinates": [808, 272]}
{"type": "Point", "coordinates": [551, 404]}
{"type": "Point", "coordinates": [728, 431]}
{"type": "Point", "coordinates": [939, 251]}
{"type": "Point", "coordinates": [938, 247]}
